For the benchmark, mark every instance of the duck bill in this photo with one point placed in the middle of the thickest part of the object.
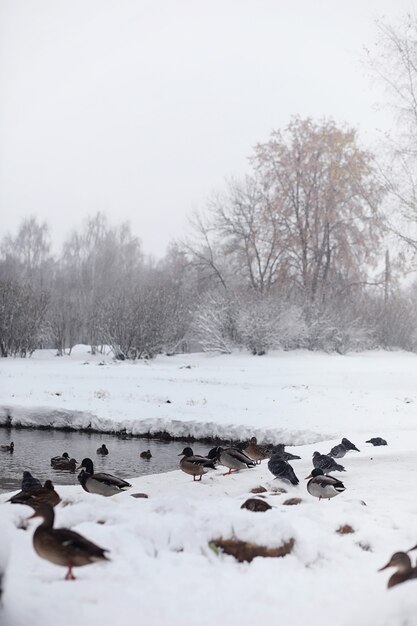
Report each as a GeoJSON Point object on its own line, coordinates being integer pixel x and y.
{"type": "Point", "coordinates": [307, 477]}
{"type": "Point", "coordinates": [385, 567]}
{"type": "Point", "coordinates": [411, 549]}
{"type": "Point", "coordinates": [80, 467]}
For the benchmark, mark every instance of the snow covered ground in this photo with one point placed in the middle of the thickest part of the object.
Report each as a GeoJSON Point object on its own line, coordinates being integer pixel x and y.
{"type": "Point", "coordinates": [162, 570]}
{"type": "Point", "coordinates": [297, 397]}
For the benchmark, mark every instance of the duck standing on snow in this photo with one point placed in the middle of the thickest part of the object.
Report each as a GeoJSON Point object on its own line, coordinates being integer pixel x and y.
{"type": "Point", "coordinates": [62, 546]}
{"type": "Point", "coordinates": [404, 572]}
{"type": "Point", "coordinates": [377, 441]}
{"type": "Point", "coordinates": [326, 463]}
{"type": "Point", "coordinates": [339, 451]}
{"type": "Point", "coordinates": [146, 454]}
{"type": "Point", "coordinates": [35, 496]}
{"type": "Point", "coordinates": [194, 464]}
{"type": "Point", "coordinates": [101, 483]}
{"type": "Point", "coordinates": [232, 458]}
{"type": "Point", "coordinates": [280, 468]}
{"type": "Point", "coordinates": [8, 448]}
{"type": "Point", "coordinates": [102, 450]}
{"type": "Point", "coordinates": [255, 451]}
{"type": "Point", "coordinates": [321, 485]}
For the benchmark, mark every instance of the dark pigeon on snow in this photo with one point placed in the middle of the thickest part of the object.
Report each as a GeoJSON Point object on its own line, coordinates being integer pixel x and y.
{"type": "Point", "coordinates": [28, 481]}
{"type": "Point", "coordinates": [339, 451]}
{"type": "Point", "coordinates": [377, 441]}
{"type": "Point", "coordinates": [326, 463]}
{"type": "Point", "coordinates": [280, 468]}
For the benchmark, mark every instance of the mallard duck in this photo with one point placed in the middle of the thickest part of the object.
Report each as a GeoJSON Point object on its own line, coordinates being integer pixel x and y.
{"type": "Point", "coordinates": [339, 451]}
{"type": "Point", "coordinates": [404, 572]}
{"type": "Point", "coordinates": [377, 441]}
{"type": "Point", "coordinates": [8, 448]}
{"type": "Point", "coordinates": [255, 451]}
{"type": "Point", "coordinates": [63, 546]}
{"type": "Point", "coordinates": [194, 464]}
{"type": "Point", "coordinates": [326, 463]}
{"type": "Point", "coordinates": [28, 481]}
{"type": "Point", "coordinates": [64, 464]}
{"type": "Point", "coordinates": [57, 458]}
{"type": "Point", "coordinates": [146, 454]}
{"type": "Point", "coordinates": [232, 458]}
{"type": "Point", "coordinates": [37, 495]}
{"type": "Point", "coordinates": [321, 485]}
{"type": "Point", "coordinates": [102, 450]}
{"type": "Point", "coordinates": [280, 468]}
{"type": "Point", "coordinates": [103, 484]}
{"type": "Point", "coordinates": [280, 450]}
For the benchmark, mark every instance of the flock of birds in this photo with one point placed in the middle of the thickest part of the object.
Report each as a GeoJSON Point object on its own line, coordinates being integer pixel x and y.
{"type": "Point", "coordinates": [68, 548]}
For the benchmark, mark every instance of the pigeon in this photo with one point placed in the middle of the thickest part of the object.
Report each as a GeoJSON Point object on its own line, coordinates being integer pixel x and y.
{"type": "Point", "coordinates": [338, 452]}
{"type": "Point", "coordinates": [326, 463]}
{"type": "Point", "coordinates": [28, 481]}
{"type": "Point", "coordinates": [279, 449]}
{"type": "Point", "coordinates": [280, 468]}
{"type": "Point", "coordinates": [377, 441]}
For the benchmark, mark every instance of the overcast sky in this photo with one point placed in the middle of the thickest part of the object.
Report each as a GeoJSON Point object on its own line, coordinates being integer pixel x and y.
{"type": "Point", "coordinates": [142, 108]}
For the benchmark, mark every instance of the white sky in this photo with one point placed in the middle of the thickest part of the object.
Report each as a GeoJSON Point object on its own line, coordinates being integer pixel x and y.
{"type": "Point", "coordinates": [141, 108]}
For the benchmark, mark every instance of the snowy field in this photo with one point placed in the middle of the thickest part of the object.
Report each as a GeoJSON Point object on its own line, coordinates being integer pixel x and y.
{"type": "Point", "coordinates": [162, 570]}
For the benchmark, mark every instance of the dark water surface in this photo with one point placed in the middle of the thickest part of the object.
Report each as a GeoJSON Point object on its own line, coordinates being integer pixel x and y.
{"type": "Point", "coordinates": [33, 450]}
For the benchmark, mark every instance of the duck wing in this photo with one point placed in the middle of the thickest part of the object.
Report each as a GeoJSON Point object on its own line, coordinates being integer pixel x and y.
{"type": "Point", "coordinates": [201, 460]}
{"type": "Point", "coordinates": [109, 479]}
{"type": "Point", "coordinates": [77, 545]}
{"type": "Point", "coordinates": [239, 455]}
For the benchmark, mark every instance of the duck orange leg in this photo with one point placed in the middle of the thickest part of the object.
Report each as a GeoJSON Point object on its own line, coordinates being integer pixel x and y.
{"type": "Point", "coordinates": [70, 575]}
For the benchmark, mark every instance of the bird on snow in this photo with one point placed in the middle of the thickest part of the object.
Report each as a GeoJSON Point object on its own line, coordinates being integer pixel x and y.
{"type": "Point", "coordinates": [280, 468]}
{"type": "Point", "coordinates": [320, 485]}
{"type": "Point", "coordinates": [255, 451]}
{"type": "Point", "coordinates": [404, 572]}
{"type": "Point", "coordinates": [62, 546]}
{"type": "Point", "coordinates": [101, 483]}
{"type": "Point", "coordinates": [377, 441]}
{"type": "Point", "coordinates": [339, 451]}
{"type": "Point", "coordinates": [36, 496]}
{"type": "Point", "coordinates": [194, 464]}
{"type": "Point", "coordinates": [102, 450]}
{"type": "Point", "coordinates": [326, 463]}
{"type": "Point", "coordinates": [280, 450]}
{"type": "Point", "coordinates": [233, 458]}
{"type": "Point", "coordinates": [28, 481]}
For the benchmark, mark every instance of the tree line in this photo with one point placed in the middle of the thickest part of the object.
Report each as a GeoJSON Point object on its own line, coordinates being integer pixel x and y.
{"type": "Point", "coordinates": [307, 250]}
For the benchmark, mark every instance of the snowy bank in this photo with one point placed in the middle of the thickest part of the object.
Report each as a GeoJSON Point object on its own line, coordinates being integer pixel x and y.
{"type": "Point", "coordinates": [296, 397]}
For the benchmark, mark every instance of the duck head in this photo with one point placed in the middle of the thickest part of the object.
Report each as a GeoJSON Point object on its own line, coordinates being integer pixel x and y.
{"type": "Point", "coordinates": [186, 452]}
{"type": "Point", "coordinates": [315, 472]}
{"type": "Point", "coordinates": [400, 560]}
{"type": "Point", "coordinates": [87, 466]}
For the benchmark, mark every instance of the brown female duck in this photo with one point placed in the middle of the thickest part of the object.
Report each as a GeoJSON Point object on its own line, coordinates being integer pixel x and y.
{"type": "Point", "coordinates": [35, 496]}
{"type": "Point", "coordinates": [63, 546]}
{"type": "Point", "coordinates": [404, 572]}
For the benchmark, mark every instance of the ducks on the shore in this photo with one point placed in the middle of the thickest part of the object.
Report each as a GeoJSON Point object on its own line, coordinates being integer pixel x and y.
{"type": "Point", "coordinates": [103, 450]}
{"type": "Point", "coordinates": [233, 458]}
{"type": "Point", "coordinates": [280, 468]}
{"type": "Point", "coordinates": [339, 451]}
{"type": "Point", "coordinates": [8, 448]}
{"type": "Point", "coordinates": [101, 483]}
{"type": "Point", "coordinates": [405, 571]}
{"type": "Point", "coordinates": [326, 463]}
{"type": "Point", "coordinates": [35, 496]}
{"type": "Point", "coordinates": [194, 464]}
{"type": "Point", "coordinates": [255, 451]}
{"type": "Point", "coordinates": [62, 546]}
{"type": "Point", "coordinates": [146, 454]}
{"type": "Point", "coordinates": [321, 485]}
{"type": "Point", "coordinates": [377, 441]}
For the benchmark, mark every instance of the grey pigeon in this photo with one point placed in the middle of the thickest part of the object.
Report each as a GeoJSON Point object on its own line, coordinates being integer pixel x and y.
{"type": "Point", "coordinates": [279, 449]}
{"type": "Point", "coordinates": [326, 463]}
{"type": "Point", "coordinates": [28, 481]}
{"type": "Point", "coordinates": [377, 441]}
{"type": "Point", "coordinates": [339, 451]}
{"type": "Point", "coordinates": [280, 468]}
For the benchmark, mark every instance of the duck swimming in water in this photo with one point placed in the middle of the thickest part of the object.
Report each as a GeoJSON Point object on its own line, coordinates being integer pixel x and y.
{"type": "Point", "coordinates": [8, 448]}
{"type": "Point", "coordinates": [102, 450]}
{"type": "Point", "coordinates": [146, 454]}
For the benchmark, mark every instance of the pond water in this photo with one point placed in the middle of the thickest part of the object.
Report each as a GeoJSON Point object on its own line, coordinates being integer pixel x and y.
{"type": "Point", "coordinates": [33, 450]}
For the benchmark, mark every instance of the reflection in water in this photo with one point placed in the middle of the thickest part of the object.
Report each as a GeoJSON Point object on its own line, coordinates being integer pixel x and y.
{"type": "Point", "coordinates": [33, 450]}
